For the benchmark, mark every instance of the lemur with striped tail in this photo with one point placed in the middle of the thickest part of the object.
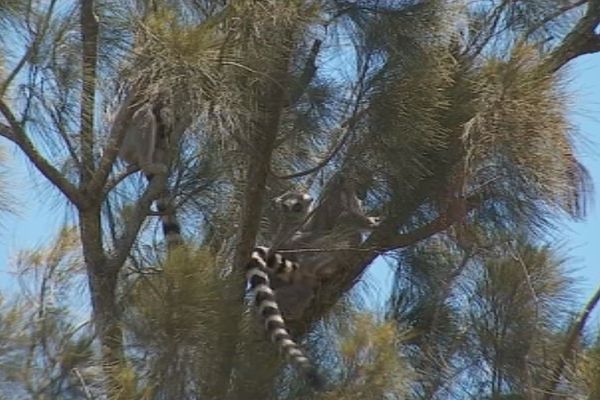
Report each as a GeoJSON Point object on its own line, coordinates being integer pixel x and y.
{"type": "Point", "coordinates": [267, 270]}
{"type": "Point", "coordinates": [285, 286]}
{"type": "Point", "coordinates": [148, 144]}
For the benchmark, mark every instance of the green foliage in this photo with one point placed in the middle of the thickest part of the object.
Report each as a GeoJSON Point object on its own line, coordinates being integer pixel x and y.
{"type": "Point", "coordinates": [175, 319]}
{"type": "Point", "coordinates": [371, 365]}
{"type": "Point", "coordinates": [450, 118]}
{"type": "Point", "coordinates": [589, 366]}
{"type": "Point", "coordinates": [48, 347]}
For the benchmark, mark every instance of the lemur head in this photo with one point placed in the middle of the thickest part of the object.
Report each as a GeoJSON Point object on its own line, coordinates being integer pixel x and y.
{"type": "Point", "coordinates": [294, 203]}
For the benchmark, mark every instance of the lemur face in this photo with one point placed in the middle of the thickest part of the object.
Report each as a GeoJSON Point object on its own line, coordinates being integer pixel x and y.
{"type": "Point", "coordinates": [294, 202]}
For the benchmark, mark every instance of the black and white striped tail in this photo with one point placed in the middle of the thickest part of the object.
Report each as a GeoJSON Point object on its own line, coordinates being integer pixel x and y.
{"type": "Point", "coordinates": [257, 273]}
{"type": "Point", "coordinates": [170, 225]}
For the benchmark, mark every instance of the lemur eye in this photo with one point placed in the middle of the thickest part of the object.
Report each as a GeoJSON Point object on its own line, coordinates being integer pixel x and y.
{"type": "Point", "coordinates": [297, 207]}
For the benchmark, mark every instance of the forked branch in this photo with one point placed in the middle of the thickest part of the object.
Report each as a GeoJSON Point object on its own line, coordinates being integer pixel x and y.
{"type": "Point", "coordinates": [16, 134]}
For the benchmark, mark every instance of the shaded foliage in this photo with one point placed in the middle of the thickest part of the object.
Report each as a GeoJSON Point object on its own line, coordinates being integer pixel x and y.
{"type": "Point", "coordinates": [449, 119]}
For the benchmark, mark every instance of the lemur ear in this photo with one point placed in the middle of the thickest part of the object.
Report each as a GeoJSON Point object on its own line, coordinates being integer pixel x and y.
{"type": "Point", "coordinates": [307, 197]}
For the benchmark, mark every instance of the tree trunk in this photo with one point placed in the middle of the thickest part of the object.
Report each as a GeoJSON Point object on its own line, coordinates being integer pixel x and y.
{"type": "Point", "coordinates": [102, 281]}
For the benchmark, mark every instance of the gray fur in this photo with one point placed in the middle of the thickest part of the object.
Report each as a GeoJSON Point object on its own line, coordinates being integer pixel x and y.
{"type": "Point", "coordinates": [147, 145]}
{"type": "Point", "coordinates": [285, 284]}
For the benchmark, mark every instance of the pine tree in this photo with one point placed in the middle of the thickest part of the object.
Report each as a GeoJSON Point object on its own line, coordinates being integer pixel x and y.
{"type": "Point", "coordinates": [450, 120]}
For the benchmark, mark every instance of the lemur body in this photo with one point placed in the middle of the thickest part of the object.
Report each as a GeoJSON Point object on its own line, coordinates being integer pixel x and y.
{"type": "Point", "coordinates": [267, 270]}
{"type": "Point", "coordinates": [147, 145]}
{"type": "Point", "coordinates": [338, 221]}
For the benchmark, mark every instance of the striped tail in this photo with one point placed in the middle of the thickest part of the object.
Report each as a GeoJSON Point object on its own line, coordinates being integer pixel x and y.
{"type": "Point", "coordinates": [257, 274]}
{"type": "Point", "coordinates": [170, 225]}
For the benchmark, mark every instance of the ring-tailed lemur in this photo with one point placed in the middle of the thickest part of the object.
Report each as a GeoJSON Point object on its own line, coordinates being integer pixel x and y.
{"type": "Point", "coordinates": [285, 286]}
{"type": "Point", "coordinates": [147, 145]}
{"type": "Point", "coordinates": [262, 265]}
{"type": "Point", "coordinates": [339, 221]}
{"type": "Point", "coordinates": [266, 265]}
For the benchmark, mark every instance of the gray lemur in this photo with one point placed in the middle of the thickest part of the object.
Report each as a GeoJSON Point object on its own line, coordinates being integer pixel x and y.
{"type": "Point", "coordinates": [336, 222]}
{"type": "Point", "coordinates": [146, 141]}
{"type": "Point", "coordinates": [147, 144]}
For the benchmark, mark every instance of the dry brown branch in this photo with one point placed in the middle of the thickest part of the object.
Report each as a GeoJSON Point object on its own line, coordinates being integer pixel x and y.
{"type": "Point", "coordinates": [581, 40]}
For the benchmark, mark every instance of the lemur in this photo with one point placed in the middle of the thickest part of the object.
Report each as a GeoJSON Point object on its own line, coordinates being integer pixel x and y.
{"type": "Point", "coordinates": [266, 265]}
{"type": "Point", "coordinates": [339, 221]}
{"type": "Point", "coordinates": [147, 144]}
{"type": "Point", "coordinates": [288, 283]}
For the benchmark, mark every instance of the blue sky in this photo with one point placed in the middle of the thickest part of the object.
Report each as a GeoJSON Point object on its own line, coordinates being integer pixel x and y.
{"type": "Point", "coordinates": [39, 215]}
{"type": "Point", "coordinates": [583, 238]}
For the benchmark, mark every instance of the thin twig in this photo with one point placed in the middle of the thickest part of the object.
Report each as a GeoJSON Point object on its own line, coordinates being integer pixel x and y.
{"type": "Point", "coordinates": [86, 390]}
{"type": "Point", "coordinates": [347, 125]}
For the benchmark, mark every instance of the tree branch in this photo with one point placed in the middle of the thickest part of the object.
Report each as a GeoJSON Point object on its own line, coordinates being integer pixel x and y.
{"type": "Point", "coordinates": [557, 13]}
{"type": "Point", "coordinates": [111, 184]}
{"type": "Point", "coordinates": [89, 39]}
{"type": "Point", "coordinates": [581, 40]}
{"type": "Point", "coordinates": [308, 73]}
{"type": "Point", "coordinates": [574, 334]}
{"type": "Point", "coordinates": [15, 133]}
{"type": "Point", "coordinates": [357, 262]}
{"type": "Point", "coordinates": [134, 221]}
{"type": "Point", "coordinates": [272, 96]}
{"type": "Point", "coordinates": [347, 125]}
{"type": "Point", "coordinates": [118, 130]}
{"type": "Point", "coordinates": [31, 50]}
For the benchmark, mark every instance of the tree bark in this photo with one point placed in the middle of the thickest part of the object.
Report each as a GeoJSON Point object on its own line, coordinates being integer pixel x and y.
{"type": "Point", "coordinates": [271, 97]}
{"type": "Point", "coordinates": [102, 283]}
{"type": "Point", "coordinates": [89, 39]}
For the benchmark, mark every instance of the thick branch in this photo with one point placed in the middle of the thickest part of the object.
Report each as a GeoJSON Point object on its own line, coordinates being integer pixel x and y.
{"type": "Point", "coordinates": [308, 73]}
{"type": "Point", "coordinates": [574, 334]}
{"type": "Point", "coordinates": [378, 243]}
{"type": "Point", "coordinates": [134, 221]}
{"type": "Point", "coordinates": [271, 94]}
{"type": "Point", "coordinates": [439, 224]}
{"type": "Point", "coordinates": [15, 133]}
{"type": "Point", "coordinates": [118, 130]}
{"type": "Point", "coordinates": [89, 38]}
{"type": "Point", "coordinates": [581, 40]}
